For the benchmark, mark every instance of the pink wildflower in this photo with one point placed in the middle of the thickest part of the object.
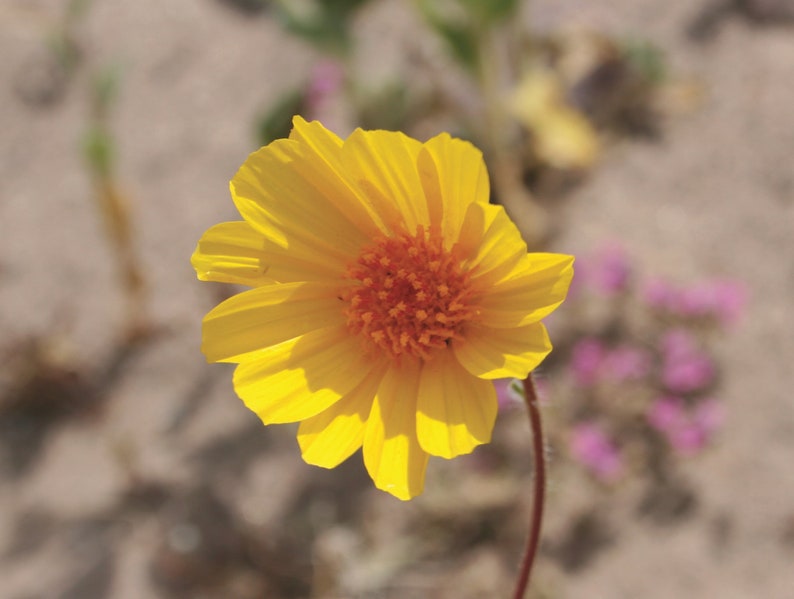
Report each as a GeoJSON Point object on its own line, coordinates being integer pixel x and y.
{"type": "Point", "coordinates": [327, 77]}
{"type": "Point", "coordinates": [626, 363]}
{"type": "Point", "coordinates": [687, 430]}
{"type": "Point", "coordinates": [612, 271]}
{"type": "Point", "coordinates": [727, 300]}
{"type": "Point", "coordinates": [684, 367]}
{"type": "Point", "coordinates": [591, 447]}
{"type": "Point", "coordinates": [659, 294]}
{"type": "Point", "coordinates": [587, 358]}
{"type": "Point", "coordinates": [721, 299]}
{"type": "Point", "coordinates": [592, 362]}
{"type": "Point", "coordinates": [666, 413]}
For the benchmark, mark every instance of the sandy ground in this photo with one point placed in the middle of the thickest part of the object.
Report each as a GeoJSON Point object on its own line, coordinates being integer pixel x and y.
{"type": "Point", "coordinates": [106, 504]}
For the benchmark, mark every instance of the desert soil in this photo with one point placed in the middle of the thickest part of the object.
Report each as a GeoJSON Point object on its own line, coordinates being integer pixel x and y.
{"type": "Point", "coordinates": [131, 498]}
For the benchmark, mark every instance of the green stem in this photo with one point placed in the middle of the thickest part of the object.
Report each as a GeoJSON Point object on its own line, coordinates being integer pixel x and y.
{"type": "Point", "coordinates": [504, 164]}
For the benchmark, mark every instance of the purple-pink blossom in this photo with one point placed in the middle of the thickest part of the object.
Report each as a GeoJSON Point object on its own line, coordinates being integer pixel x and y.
{"type": "Point", "coordinates": [659, 294]}
{"type": "Point", "coordinates": [591, 447]}
{"type": "Point", "coordinates": [611, 271]}
{"type": "Point", "coordinates": [326, 80]}
{"type": "Point", "coordinates": [685, 368]}
{"type": "Point", "coordinates": [721, 299]}
{"type": "Point", "coordinates": [687, 429]}
{"type": "Point", "coordinates": [592, 362]}
{"type": "Point", "coordinates": [587, 357]}
{"type": "Point", "coordinates": [626, 363]}
{"type": "Point", "coordinates": [606, 271]}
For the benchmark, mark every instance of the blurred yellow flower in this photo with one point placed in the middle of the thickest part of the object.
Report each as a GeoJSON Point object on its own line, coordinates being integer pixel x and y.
{"type": "Point", "coordinates": [387, 294]}
{"type": "Point", "coordinates": [562, 137]}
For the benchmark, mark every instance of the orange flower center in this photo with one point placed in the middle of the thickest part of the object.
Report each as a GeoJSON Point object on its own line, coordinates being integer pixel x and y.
{"type": "Point", "coordinates": [410, 295]}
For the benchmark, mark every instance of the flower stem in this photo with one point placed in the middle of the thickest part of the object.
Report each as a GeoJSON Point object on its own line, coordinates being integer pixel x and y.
{"type": "Point", "coordinates": [539, 490]}
{"type": "Point", "coordinates": [504, 165]}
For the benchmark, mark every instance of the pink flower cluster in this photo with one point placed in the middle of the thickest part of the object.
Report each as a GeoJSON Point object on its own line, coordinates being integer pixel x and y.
{"type": "Point", "coordinates": [685, 368]}
{"type": "Point", "coordinates": [721, 299]}
{"type": "Point", "coordinates": [593, 362]}
{"type": "Point", "coordinates": [607, 272]}
{"type": "Point", "coordinates": [590, 446]}
{"type": "Point", "coordinates": [687, 428]}
{"type": "Point", "coordinates": [667, 361]}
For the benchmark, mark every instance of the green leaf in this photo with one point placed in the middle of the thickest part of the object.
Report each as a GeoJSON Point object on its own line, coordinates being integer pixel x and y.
{"type": "Point", "coordinates": [459, 35]}
{"type": "Point", "coordinates": [342, 7]}
{"type": "Point", "coordinates": [323, 23]}
{"type": "Point", "coordinates": [646, 59]}
{"type": "Point", "coordinates": [325, 34]}
{"type": "Point", "coordinates": [77, 9]}
{"type": "Point", "coordinates": [462, 42]}
{"type": "Point", "coordinates": [105, 88]}
{"type": "Point", "coordinates": [491, 11]}
{"type": "Point", "coordinates": [99, 151]}
{"type": "Point", "coordinates": [386, 108]}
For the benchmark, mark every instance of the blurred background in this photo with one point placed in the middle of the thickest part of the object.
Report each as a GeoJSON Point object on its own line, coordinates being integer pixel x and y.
{"type": "Point", "coordinates": [654, 141]}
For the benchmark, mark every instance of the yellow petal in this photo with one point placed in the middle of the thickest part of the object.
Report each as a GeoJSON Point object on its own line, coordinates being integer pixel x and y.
{"type": "Point", "coordinates": [502, 353]}
{"type": "Point", "coordinates": [313, 133]}
{"type": "Point", "coordinates": [534, 288]}
{"type": "Point", "coordinates": [268, 315]}
{"type": "Point", "coordinates": [383, 165]}
{"type": "Point", "coordinates": [392, 454]}
{"type": "Point", "coordinates": [231, 253]}
{"type": "Point", "coordinates": [302, 377]}
{"type": "Point", "coordinates": [453, 176]}
{"type": "Point", "coordinates": [237, 253]}
{"type": "Point", "coordinates": [492, 244]}
{"type": "Point", "coordinates": [289, 210]}
{"type": "Point", "coordinates": [455, 410]}
{"type": "Point", "coordinates": [321, 163]}
{"type": "Point", "coordinates": [332, 436]}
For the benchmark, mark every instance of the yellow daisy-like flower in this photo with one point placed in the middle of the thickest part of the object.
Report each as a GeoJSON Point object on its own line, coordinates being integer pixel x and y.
{"type": "Point", "coordinates": [387, 294]}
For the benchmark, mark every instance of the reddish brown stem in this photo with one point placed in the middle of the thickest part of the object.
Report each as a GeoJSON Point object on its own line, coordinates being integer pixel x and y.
{"type": "Point", "coordinates": [539, 490]}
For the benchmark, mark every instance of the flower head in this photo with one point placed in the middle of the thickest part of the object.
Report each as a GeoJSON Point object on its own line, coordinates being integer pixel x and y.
{"type": "Point", "coordinates": [387, 296]}
{"type": "Point", "coordinates": [562, 136]}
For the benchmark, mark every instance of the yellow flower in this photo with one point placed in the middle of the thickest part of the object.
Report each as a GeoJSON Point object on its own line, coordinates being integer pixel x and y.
{"type": "Point", "coordinates": [561, 135]}
{"type": "Point", "coordinates": [387, 294]}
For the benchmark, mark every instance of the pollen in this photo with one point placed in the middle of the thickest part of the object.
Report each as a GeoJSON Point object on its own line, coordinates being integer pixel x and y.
{"type": "Point", "coordinates": [408, 295]}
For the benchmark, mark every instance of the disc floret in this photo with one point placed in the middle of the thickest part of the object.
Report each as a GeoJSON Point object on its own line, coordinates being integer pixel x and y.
{"type": "Point", "coordinates": [409, 295]}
